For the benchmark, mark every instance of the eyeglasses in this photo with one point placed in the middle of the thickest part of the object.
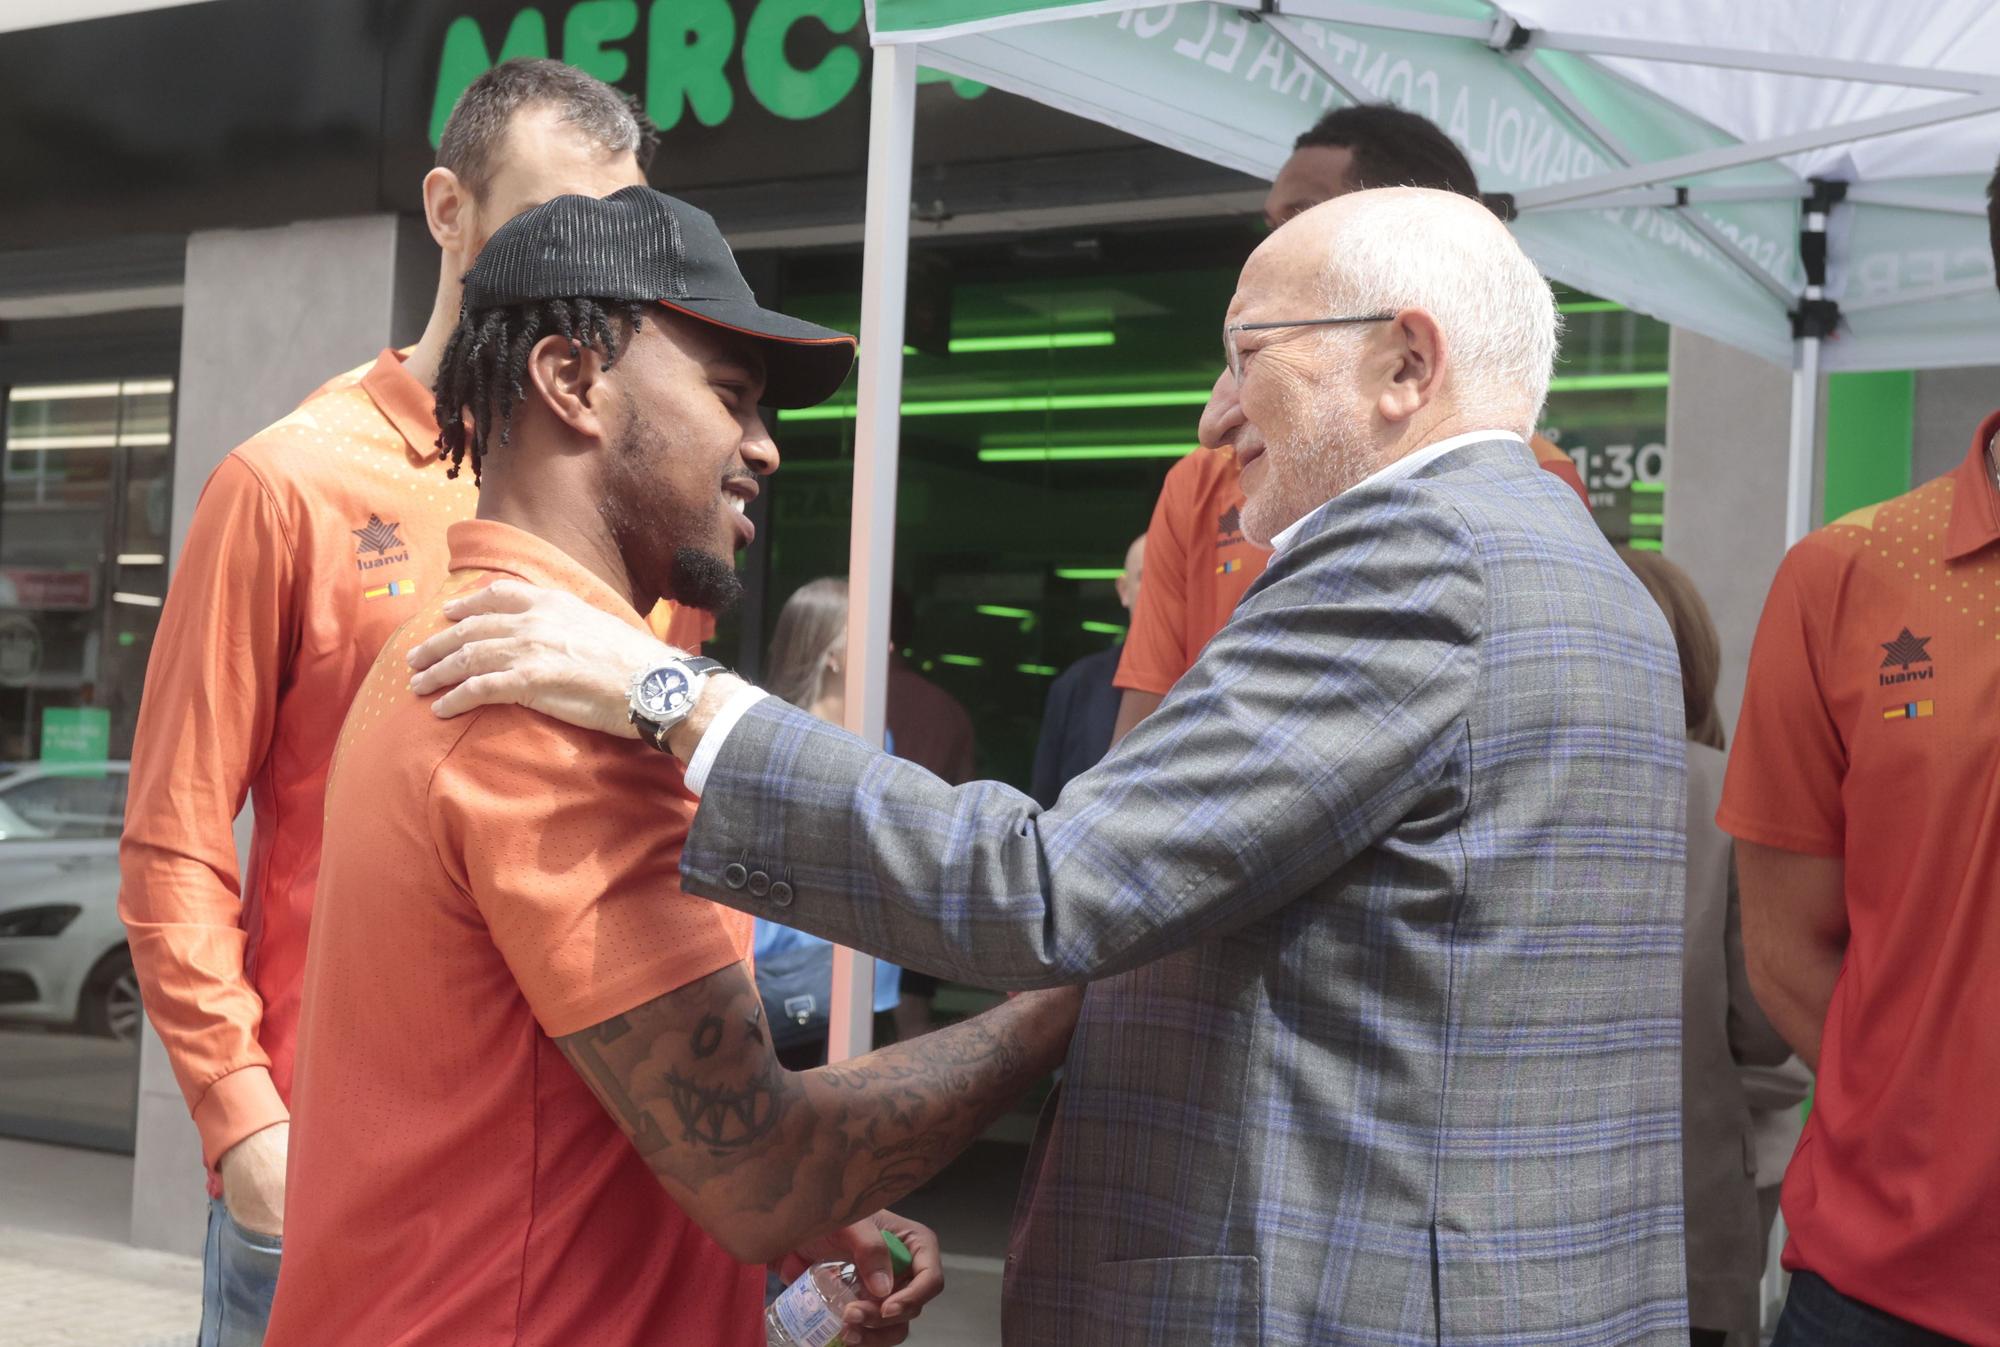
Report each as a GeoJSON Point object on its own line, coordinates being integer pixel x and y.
{"type": "Point", "coordinates": [1236, 356]}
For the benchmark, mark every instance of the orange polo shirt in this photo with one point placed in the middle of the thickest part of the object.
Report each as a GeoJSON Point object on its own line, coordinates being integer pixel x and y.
{"type": "Point", "coordinates": [492, 883]}
{"type": "Point", "coordinates": [1869, 733]}
{"type": "Point", "coordinates": [310, 544]}
{"type": "Point", "coordinates": [1199, 565]}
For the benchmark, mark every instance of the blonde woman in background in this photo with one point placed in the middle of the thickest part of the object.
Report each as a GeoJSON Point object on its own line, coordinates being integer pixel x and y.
{"type": "Point", "coordinates": [1722, 1028]}
{"type": "Point", "coordinates": [808, 668]}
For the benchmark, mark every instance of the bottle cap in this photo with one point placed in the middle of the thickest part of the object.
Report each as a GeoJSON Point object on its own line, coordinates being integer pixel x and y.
{"type": "Point", "coordinates": [900, 1258]}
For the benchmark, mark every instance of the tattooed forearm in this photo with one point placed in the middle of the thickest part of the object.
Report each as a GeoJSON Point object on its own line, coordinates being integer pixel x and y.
{"type": "Point", "coordinates": [699, 1091]}
{"type": "Point", "coordinates": [691, 1078]}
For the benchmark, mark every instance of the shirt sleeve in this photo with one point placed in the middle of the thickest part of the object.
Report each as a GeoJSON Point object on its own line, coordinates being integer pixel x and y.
{"type": "Point", "coordinates": [569, 844]}
{"type": "Point", "coordinates": [1155, 654]}
{"type": "Point", "coordinates": [1783, 788]}
{"type": "Point", "coordinates": [204, 732]}
{"type": "Point", "coordinates": [1554, 460]}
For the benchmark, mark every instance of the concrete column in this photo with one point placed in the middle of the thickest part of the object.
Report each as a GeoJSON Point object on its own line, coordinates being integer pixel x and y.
{"type": "Point", "coordinates": [1728, 424]}
{"type": "Point", "coordinates": [1950, 404]}
{"type": "Point", "coordinates": [270, 315]}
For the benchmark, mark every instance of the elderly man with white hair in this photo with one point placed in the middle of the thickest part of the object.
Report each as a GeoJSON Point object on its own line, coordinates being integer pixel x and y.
{"type": "Point", "coordinates": [1379, 913]}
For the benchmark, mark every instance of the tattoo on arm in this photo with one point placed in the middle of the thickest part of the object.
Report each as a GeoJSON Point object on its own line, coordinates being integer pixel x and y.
{"type": "Point", "coordinates": [690, 1077]}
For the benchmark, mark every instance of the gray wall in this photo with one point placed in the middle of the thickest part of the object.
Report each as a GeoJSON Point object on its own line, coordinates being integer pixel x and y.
{"type": "Point", "coordinates": [270, 315]}
{"type": "Point", "coordinates": [1950, 405]}
{"type": "Point", "coordinates": [1728, 432]}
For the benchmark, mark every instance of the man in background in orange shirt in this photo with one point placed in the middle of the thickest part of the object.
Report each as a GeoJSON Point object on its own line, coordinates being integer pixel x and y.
{"type": "Point", "coordinates": [1864, 795]}
{"type": "Point", "coordinates": [310, 545]}
{"type": "Point", "coordinates": [1198, 563]}
{"type": "Point", "coordinates": [537, 1098]}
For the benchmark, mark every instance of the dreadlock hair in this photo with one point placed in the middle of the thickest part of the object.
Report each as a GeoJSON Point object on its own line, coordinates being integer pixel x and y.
{"type": "Point", "coordinates": [487, 356]}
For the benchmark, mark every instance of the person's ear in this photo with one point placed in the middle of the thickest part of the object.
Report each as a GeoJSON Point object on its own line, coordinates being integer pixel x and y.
{"type": "Point", "coordinates": [1410, 365]}
{"type": "Point", "coordinates": [450, 211]}
{"type": "Point", "coordinates": [567, 379]}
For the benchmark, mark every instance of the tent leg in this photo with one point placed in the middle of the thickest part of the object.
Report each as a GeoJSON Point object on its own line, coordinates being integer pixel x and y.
{"type": "Point", "coordinates": [871, 552]}
{"type": "Point", "coordinates": [1805, 440]}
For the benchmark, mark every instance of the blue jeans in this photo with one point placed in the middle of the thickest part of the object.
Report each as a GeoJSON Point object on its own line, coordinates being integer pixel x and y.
{"type": "Point", "coordinates": [1816, 1315]}
{"type": "Point", "coordinates": [239, 1275]}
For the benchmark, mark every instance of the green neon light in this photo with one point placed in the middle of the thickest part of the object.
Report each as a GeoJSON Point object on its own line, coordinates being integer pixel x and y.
{"type": "Point", "coordinates": [1649, 488]}
{"type": "Point", "coordinates": [1048, 341]}
{"type": "Point", "coordinates": [1039, 670]}
{"type": "Point", "coordinates": [1644, 544]}
{"type": "Point", "coordinates": [1104, 628]}
{"type": "Point", "coordinates": [998, 610]}
{"type": "Point", "coordinates": [964, 661]}
{"type": "Point", "coordinates": [1607, 383]}
{"type": "Point", "coordinates": [1592, 306]}
{"type": "Point", "coordinates": [1648, 520]}
{"type": "Point", "coordinates": [1090, 573]}
{"type": "Point", "coordinates": [1061, 402]}
{"type": "Point", "coordinates": [1084, 453]}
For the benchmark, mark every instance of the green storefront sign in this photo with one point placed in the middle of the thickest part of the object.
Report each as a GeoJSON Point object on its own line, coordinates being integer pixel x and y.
{"type": "Point", "coordinates": [77, 737]}
{"type": "Point", "coordinates": [686, 46]}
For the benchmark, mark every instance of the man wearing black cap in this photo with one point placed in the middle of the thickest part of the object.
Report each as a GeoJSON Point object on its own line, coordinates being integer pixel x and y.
{"type": "Point", "coordinates": [497, 987]}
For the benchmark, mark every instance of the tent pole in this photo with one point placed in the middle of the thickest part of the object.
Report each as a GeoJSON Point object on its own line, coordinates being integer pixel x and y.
{"type": "Point", "coordinates": [1814, 317]}
{"type": "Point", "coordinates": [1805, 436]}
{"type": "Point", "coordinates": [871, 549]}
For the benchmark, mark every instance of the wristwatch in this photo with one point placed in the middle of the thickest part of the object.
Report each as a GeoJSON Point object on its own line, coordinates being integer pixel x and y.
{"type": "Point", "coordinates": [663, 695]}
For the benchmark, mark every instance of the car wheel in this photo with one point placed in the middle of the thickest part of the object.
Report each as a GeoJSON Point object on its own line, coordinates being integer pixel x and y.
{"type": "Point", "coordinates": [111, 1007]}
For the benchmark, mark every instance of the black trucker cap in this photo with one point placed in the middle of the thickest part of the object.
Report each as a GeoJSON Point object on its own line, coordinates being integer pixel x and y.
{"type": "Point", "coordinates": [639, 244]}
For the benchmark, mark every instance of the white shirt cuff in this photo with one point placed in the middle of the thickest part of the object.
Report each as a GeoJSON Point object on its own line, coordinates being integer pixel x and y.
{"type": "Point", "coordinates": [710, 747]}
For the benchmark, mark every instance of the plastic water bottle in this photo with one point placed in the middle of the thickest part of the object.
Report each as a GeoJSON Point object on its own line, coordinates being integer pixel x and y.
{"type": "Point", "coordinates": [808, 1314]}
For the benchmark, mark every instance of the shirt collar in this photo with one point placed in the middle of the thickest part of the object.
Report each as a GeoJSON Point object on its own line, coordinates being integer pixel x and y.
{"type": "Point", "coordinates": [1408, 465]}
{"type": "Point", "coordinates": [489, 545]}
{"type": "Point", "coordinates": [1975, 503]}
{"type": "Point", "coordinates": [407, 403]}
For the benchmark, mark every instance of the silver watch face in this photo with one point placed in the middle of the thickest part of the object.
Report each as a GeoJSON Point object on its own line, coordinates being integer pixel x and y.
{"type": "Point", "coordinates": [665, 695]}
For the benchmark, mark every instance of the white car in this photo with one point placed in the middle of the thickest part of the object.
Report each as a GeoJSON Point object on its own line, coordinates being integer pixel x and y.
{"type": "Point", "coordinates": [63, 958]}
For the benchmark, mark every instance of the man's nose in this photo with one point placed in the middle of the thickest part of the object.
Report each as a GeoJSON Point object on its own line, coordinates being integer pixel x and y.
{"type": "Point", "coordinates": [1222, 418]}
{"type": "Point", "coordinates": [760, 451]}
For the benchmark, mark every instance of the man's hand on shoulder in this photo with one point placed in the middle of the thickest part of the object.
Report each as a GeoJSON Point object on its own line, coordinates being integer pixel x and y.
{"type": "Point", "coordinates": [253, 1179]}
{"type": "Point", "coordinates": [518, 644]}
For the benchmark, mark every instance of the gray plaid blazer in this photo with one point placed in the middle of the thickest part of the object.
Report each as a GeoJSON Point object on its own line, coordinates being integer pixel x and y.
{"type": "Point", "coordinates": [1381, 913]}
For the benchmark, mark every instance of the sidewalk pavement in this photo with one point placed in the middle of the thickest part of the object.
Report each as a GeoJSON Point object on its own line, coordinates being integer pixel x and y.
{"type": "Point", "coordinates": [69, 1291]}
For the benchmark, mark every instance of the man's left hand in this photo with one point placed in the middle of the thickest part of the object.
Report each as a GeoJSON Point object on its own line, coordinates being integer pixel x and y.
{"type": "Point", "coordinates": [544, 649]}
{"type": "Point", "coordinates": [885, 1320]}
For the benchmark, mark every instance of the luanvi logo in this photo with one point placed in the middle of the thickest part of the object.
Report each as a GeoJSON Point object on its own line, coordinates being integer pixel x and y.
{"type": "Point", "coordinates": [381, 538]}
{"type": "Point", "coordinates": [1229, 527]}
{"type": "Point", "coordinates": [1903, 653]}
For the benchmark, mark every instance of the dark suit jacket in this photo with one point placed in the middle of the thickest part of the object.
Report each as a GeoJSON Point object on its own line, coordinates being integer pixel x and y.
{"type": "Point", "coordinates": [1077, 724]}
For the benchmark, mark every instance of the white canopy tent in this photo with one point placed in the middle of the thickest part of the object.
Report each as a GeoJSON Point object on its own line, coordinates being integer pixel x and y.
{"type": "Point", "coordinates": [1801, 179]}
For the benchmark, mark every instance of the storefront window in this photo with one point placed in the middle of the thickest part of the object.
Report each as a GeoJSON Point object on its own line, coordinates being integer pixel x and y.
{"type": "Point", "coordinates": [85, 499]}
{"type": "Point", "coordinates": [1049, 385]}
{"type": "Point", "coordinates": [1608, 411]}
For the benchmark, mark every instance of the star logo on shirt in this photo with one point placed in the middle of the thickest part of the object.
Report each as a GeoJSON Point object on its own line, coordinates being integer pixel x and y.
{"type": "Point", "coordinates": [1906, 650]}
{"type": "Point", "coordinates": [377, 536]}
